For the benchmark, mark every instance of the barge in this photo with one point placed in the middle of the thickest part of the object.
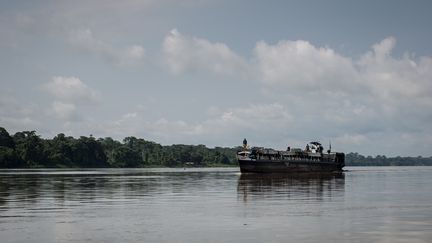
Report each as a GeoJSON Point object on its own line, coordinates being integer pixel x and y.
{"type": "Point", "coordinates": [292, 160]}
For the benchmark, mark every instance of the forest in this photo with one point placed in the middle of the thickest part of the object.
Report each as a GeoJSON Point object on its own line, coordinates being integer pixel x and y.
{"type": "Point", "coordinates": [27, 149]}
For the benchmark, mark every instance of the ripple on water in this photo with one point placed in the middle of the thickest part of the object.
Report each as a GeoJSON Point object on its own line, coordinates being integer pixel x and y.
{"type": "Point", "coordinates": [213, 205]}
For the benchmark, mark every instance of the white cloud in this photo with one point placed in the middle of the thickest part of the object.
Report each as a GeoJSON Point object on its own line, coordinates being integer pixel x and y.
{"type": "Point", "coordinates": [255, 115]}
{"type": "Point", "coordinates": [351, 139]}
{"type": "Point", "coordinates": [135, 52]}
{"type": "Point", "coordinates": [183, 53]}
{"type": "Point", "coordinates": [312, 92]}
{"type": "Point", "coordinates": [354, 101]}
{"type": "Point", "coordinates": [300, 65]}
{"type": "Point", "coordinates": [16, 115]}
{"type": "Point", "coordinates": [253, 120]}
{"type": "Point", "coordinates": [270, 125]}
{"type": "Point", "coordinates": [136, 124]}
{"type": "Point", "coordinates": [85, 39]}
{"type": "Point", "coordinates": [384, 48]}
{"type": "Point", "coordinates": [70, 96]}
{"type": "Point", "coordinates": [65, 111]}
{"type": "Point", "coordinates": [71, 89]}
{"type": "Point", "coordinates": [393, 79]}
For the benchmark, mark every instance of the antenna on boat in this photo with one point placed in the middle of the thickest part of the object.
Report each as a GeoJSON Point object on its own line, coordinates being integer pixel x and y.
{"type": "Point", "coordinates": [329, 150]}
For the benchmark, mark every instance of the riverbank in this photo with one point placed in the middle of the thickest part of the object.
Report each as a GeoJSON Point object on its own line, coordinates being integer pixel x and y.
{"type": "Point", "coordinates": [28, 150]}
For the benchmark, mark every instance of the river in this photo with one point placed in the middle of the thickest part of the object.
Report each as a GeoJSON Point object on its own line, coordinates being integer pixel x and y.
{"type": "Point", "coordinates": [361, 204]}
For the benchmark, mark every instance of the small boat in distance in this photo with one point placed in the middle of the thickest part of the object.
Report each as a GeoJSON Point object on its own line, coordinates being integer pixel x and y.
{"type": "Point", "coordinates": [311, 159]}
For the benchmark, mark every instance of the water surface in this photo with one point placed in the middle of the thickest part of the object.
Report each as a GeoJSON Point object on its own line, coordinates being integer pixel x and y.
{"type": "Point", "coordinates": [362, 204]}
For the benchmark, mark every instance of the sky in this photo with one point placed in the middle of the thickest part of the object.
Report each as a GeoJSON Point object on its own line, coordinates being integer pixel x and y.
{"type": "Point", "coordinates": [279, 73]}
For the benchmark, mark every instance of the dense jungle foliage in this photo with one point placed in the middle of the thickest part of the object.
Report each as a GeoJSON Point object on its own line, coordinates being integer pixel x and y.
{"type": "Point", "coordinates": [26, 149]}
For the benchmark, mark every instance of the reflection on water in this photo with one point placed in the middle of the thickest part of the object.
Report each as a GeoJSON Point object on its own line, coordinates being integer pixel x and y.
{"type": "Point", "coordinates": [286, 186]}
{"type": "Point", "coordinates": [371, 204]}
{"type": "Point", "coordinates": [23, 188]}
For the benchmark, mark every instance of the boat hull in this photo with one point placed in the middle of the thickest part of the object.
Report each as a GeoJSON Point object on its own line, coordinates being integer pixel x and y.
{"type": "Point", "coordinates": [287, 166]}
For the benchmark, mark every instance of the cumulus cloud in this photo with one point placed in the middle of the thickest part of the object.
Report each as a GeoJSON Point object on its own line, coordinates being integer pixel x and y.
{"type": "Point", "coordinates": [69, 94]}
{"type": "Point", "coordinates": [16, 114]}
{"type": "Point", "coordinates": [64, 111]}
{"type": "Point", "coordinates": [135, 52]}
{"type": "Point", "coordinates": [353, 101]}
{"type": "Point", "coordinates": [71, 89]}
{"type": "Point", "coordinates": [84, 39]}
{"type": "Point", "coordinates": [300, 65]}
{"type": "Point", "coordinates": [183, 53]}
{"type": "Point", "coordinates": [384, 48]}
{"type": "Point", "coordinates": [254, 116]}
{"type": "Point", "coordinates": [356, 139]}
{"type": "Point", "coordinates": [224, 127]}
{"type": "Point", "coordinates": [136, 123]}
{"type": "Point", "coordinates": [376, 74]}
{"type": "Point", "coordinates": [391, 79]}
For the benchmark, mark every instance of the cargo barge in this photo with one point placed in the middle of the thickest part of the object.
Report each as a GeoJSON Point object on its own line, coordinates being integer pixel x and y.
{"type": "Point", "coordinates": [292, 160]}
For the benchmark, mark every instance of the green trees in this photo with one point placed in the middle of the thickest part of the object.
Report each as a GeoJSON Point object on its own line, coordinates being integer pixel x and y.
{"type": "Point", "coordinates": [8, 157]}
{"type": "Point", "coordinates": [124, 156]}
{"type": "Point", "coordinates": [27, 150]}
{"type": "Point", "coordinates": [355, 159]}
{"type": "Point", "coordinates": [87, 152]}
{"type": "Point", "coordinates": [62, 151]}
{"type": "Point", "coordinates": [5, 139]}
{"type": "Point", "coordinates": [59, 151]}
{"type": "Point", "coordinates": [109, 145]}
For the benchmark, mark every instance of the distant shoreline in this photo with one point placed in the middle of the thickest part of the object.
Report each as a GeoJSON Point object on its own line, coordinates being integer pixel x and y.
{"type": "Point", "coordinates": [28, 150]}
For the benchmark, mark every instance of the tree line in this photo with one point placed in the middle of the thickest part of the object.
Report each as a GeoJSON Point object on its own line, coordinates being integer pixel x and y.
{"type": "Point", "coordinates": [26, 149]}
{"type": "Point", "coordinates": [355, 159]}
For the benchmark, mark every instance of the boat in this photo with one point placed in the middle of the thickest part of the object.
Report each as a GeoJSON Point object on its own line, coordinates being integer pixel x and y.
{"type": "Point", "coordinates": [293, 160]}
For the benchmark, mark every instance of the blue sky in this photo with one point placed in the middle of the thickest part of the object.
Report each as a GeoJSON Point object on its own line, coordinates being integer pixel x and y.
{"type": "Point", "coordinates": [358, 73]}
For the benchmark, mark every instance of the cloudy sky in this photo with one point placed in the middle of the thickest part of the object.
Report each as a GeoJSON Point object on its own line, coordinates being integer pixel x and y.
{"type": "Point", "coordinates": [358, 73]}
